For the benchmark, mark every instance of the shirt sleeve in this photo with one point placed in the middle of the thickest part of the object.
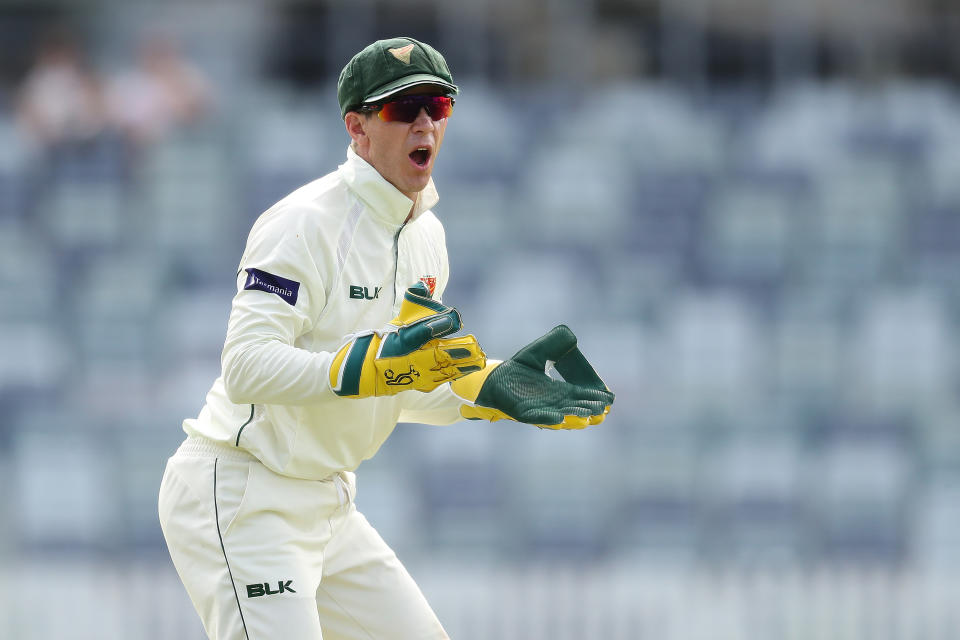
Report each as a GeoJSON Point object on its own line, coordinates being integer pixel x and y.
{"type": "Point", "coordinates": [279, 291]}
{"type": "Point", "coordinates": [438, 407]}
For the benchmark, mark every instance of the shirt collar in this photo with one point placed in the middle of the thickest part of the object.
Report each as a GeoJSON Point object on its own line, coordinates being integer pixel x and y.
{"type": "Point", "coordinates": [384, 199]}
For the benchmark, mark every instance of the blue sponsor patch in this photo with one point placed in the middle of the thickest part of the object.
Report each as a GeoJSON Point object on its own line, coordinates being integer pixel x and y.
{"type": "Point", "coordinates": [263, 281]}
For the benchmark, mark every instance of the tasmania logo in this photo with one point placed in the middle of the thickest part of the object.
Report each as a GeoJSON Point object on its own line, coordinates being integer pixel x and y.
{"type": "Point", "coordinates": [430, 281]}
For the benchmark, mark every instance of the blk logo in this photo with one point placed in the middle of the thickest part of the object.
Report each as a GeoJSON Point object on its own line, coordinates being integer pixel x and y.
{"type": "Point", "coordinates": [363, 293]}
{"type": "Point", "coordinates": [257, 590]}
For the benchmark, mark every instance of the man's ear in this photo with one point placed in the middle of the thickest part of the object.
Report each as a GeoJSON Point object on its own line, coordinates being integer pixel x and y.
{"type": "Point", "coordinates": [356, 127]}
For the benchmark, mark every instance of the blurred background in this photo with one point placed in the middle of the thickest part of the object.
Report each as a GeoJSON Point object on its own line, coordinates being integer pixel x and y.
{"type": "Point", "coordinates": [748, 210]}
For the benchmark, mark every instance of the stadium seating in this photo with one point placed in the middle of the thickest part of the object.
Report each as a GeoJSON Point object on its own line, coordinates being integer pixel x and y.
{"type": "Point", "coordinates": [739, 276]}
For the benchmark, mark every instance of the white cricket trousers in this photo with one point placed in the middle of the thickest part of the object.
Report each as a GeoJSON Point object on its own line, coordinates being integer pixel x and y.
{"type": "Point", "coordinates": [265, 556]}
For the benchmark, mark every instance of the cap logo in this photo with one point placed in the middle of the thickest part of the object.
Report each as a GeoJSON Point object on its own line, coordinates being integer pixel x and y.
{"type": "Point", "coordinates": [402, 53]}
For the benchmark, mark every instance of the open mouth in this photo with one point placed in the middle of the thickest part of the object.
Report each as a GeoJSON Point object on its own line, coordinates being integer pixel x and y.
{"type": "Point", "coordinates": [420, 156]}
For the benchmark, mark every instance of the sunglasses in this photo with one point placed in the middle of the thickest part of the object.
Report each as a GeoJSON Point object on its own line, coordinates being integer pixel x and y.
{"type": "Point", "coordinates": [407, 108]}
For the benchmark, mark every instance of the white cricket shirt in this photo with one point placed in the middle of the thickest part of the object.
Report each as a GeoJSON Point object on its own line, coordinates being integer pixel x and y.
{"type": "Point", "coordinates": [332, 258]}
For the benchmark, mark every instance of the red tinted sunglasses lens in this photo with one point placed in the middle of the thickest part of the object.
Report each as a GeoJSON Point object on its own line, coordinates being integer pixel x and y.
{"type": "Point", "coordinates": [407, 109]}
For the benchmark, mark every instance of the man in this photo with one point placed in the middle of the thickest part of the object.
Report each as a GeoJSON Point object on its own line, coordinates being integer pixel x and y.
{"type": "Point", "coordinates": [257, 504]}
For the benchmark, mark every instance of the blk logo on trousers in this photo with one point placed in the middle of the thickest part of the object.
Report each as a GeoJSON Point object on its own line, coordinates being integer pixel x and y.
{"type": "Point", "coordinates": [257, 590]}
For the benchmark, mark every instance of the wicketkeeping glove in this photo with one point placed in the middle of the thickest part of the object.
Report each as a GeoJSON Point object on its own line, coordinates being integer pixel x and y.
{"type": "Point", "coordinates": [409, 353]}
{"type": "Point", "coordinates": [520, 389]}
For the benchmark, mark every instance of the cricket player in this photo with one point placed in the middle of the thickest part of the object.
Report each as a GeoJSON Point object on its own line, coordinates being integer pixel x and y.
{"type": "Point", "coordinates": [337, 333]}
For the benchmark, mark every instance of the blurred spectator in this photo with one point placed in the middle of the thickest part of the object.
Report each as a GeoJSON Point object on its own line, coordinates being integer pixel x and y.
{"type": "Point", "coordinates": [61, 100]}
{"type": "Point", "coordinates": [163, 92]}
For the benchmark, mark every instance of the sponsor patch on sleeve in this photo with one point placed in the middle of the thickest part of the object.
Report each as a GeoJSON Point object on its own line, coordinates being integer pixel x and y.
{"type": "Point", "coordinates": [263, 281]}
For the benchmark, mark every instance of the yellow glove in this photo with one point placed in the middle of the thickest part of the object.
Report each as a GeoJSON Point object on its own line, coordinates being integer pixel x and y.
{"type": "Point", "coordinates": [410, 353]}
{"type": "Point", "coordinates": [520, 389]}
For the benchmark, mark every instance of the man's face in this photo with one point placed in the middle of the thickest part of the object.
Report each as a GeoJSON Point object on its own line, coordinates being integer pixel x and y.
{"type": "Point", "coordinates": [402, 152]}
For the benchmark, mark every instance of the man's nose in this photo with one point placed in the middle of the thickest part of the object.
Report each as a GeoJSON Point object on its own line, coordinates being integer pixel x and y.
{"type": "Point", "coordinates": [423, 122]}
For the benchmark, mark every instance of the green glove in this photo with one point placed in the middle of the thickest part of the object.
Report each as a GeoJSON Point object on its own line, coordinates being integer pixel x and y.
{"type": "Point", "coordinates": [519, 389]}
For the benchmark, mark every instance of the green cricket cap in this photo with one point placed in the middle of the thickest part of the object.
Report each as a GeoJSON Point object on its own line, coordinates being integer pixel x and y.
{"type": "Point", "coordinates": [387, 67]}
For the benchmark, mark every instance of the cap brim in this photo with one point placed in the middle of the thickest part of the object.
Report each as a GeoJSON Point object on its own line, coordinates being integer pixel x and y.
{"type": "Point", "coordinates": [406, 82]}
